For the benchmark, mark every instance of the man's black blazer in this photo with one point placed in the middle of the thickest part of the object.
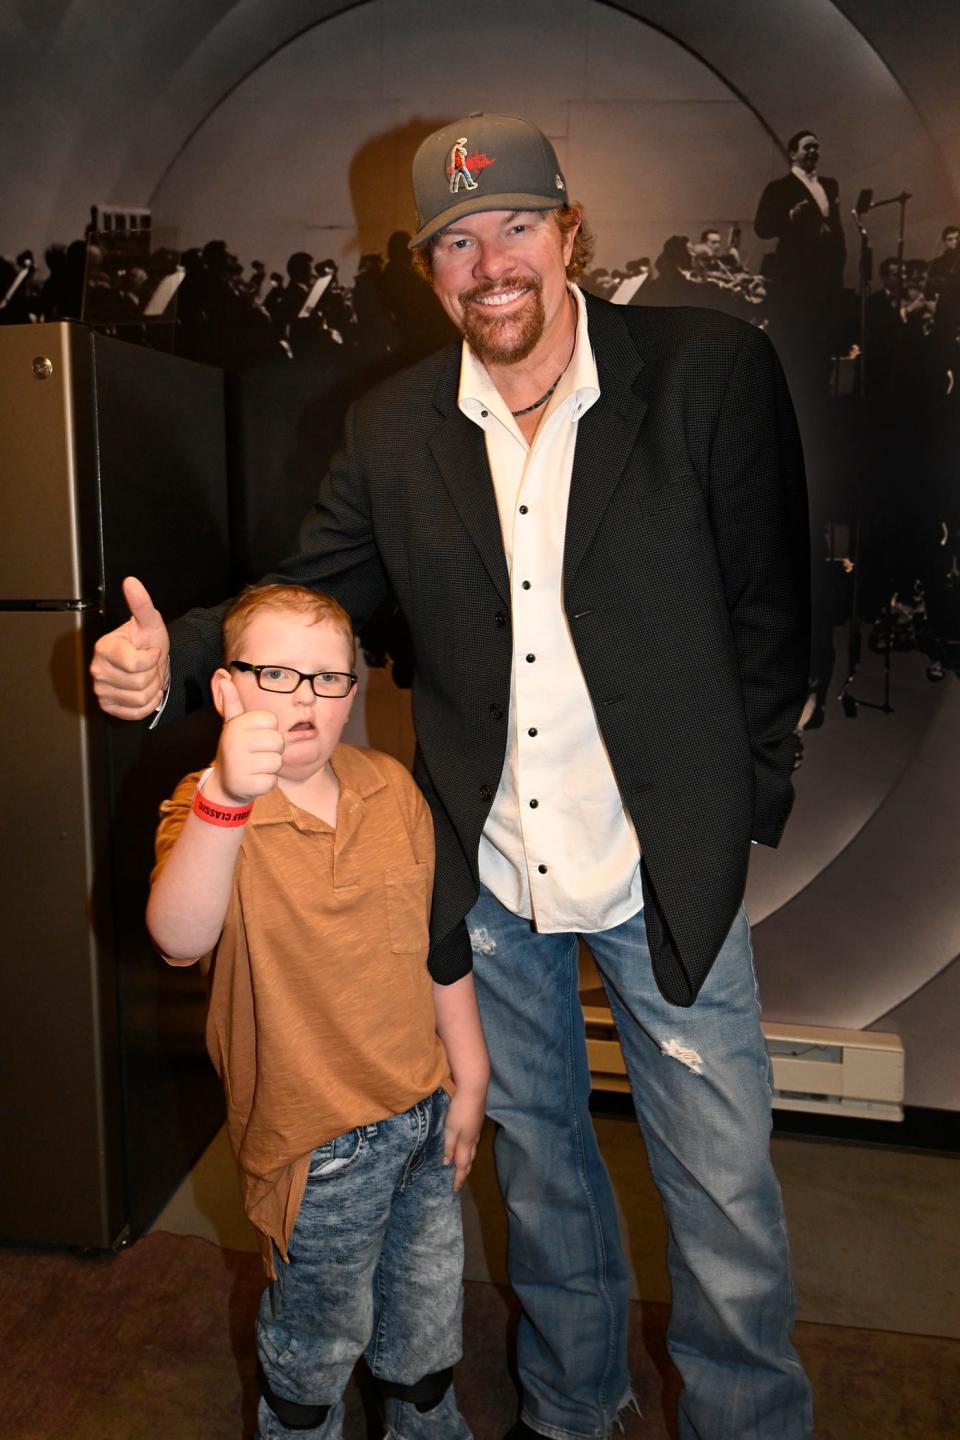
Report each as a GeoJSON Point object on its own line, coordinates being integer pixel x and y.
{"type": "Point", "coordinates": [810, 251]}
{"type": "Point", "coordinates": [685, 589]}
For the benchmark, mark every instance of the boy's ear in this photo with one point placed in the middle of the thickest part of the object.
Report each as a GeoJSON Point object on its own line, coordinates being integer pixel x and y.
{"type": "Point", "coordinates": [216, 688]}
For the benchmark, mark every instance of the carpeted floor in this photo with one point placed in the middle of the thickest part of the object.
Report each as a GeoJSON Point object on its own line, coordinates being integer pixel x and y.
{"type": "Point", "coordinates": [155, 1343]}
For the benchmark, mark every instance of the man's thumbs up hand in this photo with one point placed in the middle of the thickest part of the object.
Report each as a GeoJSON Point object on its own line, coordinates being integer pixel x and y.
{"type": "Point", "coordinates": [131, 665]}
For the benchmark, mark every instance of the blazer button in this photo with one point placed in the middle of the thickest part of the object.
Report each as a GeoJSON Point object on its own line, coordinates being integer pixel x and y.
{"type": "Point", "coordinates": [486, 794]}
{"type": "Point", "coordinates": [500, 619]}
{"type": "Point", "coordinates": [496, 712]}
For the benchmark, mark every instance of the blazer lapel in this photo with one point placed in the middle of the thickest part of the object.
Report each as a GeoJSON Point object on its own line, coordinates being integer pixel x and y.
{"type": "Point", "coordinates": [460, 451]}
{"type": "Point", "coordinates": [606, 433]}
{"type": "Point", "coordinates": [605, 437]}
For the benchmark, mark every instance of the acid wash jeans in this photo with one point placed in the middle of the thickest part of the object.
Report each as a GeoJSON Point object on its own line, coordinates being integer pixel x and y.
{"type": "Point", "coordinates": [700, 1079]}
{"type": "Point", "coordinates": [375, 1269]}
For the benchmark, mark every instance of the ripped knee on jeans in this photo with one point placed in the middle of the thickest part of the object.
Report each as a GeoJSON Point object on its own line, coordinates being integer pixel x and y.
{"type": "Point", "coordinates": [482, 942]}
{"type": "Point", "coordinates": [684, 1054]}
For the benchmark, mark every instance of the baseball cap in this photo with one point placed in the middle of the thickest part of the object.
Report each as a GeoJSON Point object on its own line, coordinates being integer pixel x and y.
{"type": "Point", "coordinates": [485, 162]}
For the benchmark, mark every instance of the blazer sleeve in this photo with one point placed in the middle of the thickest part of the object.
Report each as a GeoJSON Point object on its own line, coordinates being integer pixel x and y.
{"type": "Point", "coordinates": [758, 510]}
{"type": "Point", "coordinates": [338, 551]}
{"type": "Point", "coordinates": [337, 554]}
{"type": "Point", "coordinates": [772, 217]}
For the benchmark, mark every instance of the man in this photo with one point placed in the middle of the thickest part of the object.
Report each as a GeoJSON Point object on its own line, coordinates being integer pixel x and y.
{"type": "Point", "coordinates": [593, 519]}
{"type": "Point", "coordinates": [947, 263]}
{"type": "Point", "coordinates": [885, 333]}
{"type": "Point", "coordinates": [944, 283]}
{"type": "Point", "coordinates": [801, 211]}
{"type": "Point", "coordinates": [676, 281]}
{"type": "Point", "coordinates": [711, 246]}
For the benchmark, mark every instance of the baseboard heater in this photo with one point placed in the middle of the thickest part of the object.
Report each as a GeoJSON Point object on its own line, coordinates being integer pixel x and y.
{"type": "Point", "coordinates": [817, 1069]}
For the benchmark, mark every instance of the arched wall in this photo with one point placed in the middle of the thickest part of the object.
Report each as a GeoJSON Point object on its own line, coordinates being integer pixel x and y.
{"type": "Point", "coordinates": [307, 153]}
{"type": "Point", "coordinates": [97, 97]}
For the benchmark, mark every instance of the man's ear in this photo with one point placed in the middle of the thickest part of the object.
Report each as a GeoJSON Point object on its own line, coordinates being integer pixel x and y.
{"type": "Point", "coordinates": [216, 688]}
{"type": "Point", "coordinates": [567, 237]}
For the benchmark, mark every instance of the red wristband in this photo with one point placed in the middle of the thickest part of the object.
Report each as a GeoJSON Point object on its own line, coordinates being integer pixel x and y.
{"type": "Point", "coordinates": [228, 816]}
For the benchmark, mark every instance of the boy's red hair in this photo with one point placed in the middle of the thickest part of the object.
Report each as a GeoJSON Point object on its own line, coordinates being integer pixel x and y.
{"type": "Point", "coordinates": [296, 599]}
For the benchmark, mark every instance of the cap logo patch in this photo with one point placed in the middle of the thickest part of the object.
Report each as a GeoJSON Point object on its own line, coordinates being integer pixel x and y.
{"type": "Point", "coordinates": [462, 168]}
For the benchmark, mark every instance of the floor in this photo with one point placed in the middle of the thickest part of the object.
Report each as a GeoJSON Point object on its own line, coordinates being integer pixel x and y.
{"type": "Point", "coordinates": [873, 1228]}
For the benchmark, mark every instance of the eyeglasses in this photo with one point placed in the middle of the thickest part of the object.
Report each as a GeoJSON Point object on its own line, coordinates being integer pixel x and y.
{"type": "Point", "coordinates": [281, 680]}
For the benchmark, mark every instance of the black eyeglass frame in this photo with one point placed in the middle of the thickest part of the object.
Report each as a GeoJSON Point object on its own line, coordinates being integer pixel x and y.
{"type": "Point", "coordinates": [302, 675]}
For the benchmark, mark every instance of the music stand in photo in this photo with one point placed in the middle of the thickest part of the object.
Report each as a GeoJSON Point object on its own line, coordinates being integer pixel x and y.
{"type": "Point", "coordinates": [317, 291]}
{"type": "Point", "coordinates": [626, 290]}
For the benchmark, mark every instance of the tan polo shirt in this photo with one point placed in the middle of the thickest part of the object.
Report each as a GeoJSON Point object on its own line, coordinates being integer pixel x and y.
{"type": "Point", "coordinates": [321, 1013]}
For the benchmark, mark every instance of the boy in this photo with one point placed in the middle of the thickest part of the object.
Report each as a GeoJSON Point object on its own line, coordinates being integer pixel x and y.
{"type": "Point", "coordinates": [300, 870]}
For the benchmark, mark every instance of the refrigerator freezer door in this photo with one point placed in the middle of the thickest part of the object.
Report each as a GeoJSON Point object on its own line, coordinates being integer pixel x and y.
{"type": "Point", "coordinates": [50, 538]}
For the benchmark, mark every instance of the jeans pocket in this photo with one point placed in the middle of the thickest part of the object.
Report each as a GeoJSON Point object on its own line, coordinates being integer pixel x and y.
{"type": "Point", "coordinates": [334, 1156]}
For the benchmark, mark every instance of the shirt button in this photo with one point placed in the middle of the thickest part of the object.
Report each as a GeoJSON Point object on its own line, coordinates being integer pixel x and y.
{"type": "Point", "coordinates": [486, 793]}
{"type": "Point", "coordinates": [500, 619]}
{"type": "Point", "coordinates": [532, 731]}
{"type": "Point", "coordinates": [542, 869]}
{"type": "Point", "coordinates": [534, 804]}
{"type": "Point", "coordinates": [484, 414]}
{"type": "Point", "coordinates": [496, 712]}
{"type": "Point", "coordinates": [523, 509]}
{"type": "Point", "coordinates": [525, 585]}
{"type": "Point", "coordinates": [530, 659]}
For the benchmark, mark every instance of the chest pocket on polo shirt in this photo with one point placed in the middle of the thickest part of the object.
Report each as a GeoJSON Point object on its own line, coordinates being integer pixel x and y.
{"type": "Point", "coordinates": [407, 907]}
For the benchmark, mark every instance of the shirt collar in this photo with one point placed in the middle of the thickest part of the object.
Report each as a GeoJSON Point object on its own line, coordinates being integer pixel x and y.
{"type": "Point", "coordinates": [477, 392]}
{"type": "Point", "coordinates": [358, 776]}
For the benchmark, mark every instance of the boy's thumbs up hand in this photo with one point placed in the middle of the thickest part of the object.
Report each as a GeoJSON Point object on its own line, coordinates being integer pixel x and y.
{"type": "Point", "coordinates": [131, 665]}
{"type": "Point", "coordinates": [250, 752]}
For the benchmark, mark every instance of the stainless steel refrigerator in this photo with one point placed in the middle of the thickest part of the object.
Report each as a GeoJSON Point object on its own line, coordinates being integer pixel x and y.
{"type": "Point", "coordinates": [111, 463]}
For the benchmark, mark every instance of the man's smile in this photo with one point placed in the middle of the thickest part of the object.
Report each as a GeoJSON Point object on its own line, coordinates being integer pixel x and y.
{"type": "Point", "coordinates": [502, 297]}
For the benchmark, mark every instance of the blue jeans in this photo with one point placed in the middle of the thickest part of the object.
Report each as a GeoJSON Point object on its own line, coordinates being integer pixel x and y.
{"type": "Point", "coordinates": [701, 1088]}
{"type": "Point", "coordinates": [375, 1269]}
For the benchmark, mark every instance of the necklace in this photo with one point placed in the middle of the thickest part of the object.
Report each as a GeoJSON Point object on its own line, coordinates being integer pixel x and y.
{"type": "Point", "coordinates": [542, 401]}
{"type": "Point", "coordinates": [527, 409]}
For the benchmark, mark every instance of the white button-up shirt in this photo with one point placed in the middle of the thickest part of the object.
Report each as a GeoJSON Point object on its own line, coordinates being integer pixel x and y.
{"type": "Point", "coordinates": [558, 846]}
{"type": "Point", "coordinates": [815, 188]}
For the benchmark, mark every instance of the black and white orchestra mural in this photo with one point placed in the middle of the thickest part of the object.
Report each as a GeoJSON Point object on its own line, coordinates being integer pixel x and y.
{"type": "Point", "coordinates": [234, 186]}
